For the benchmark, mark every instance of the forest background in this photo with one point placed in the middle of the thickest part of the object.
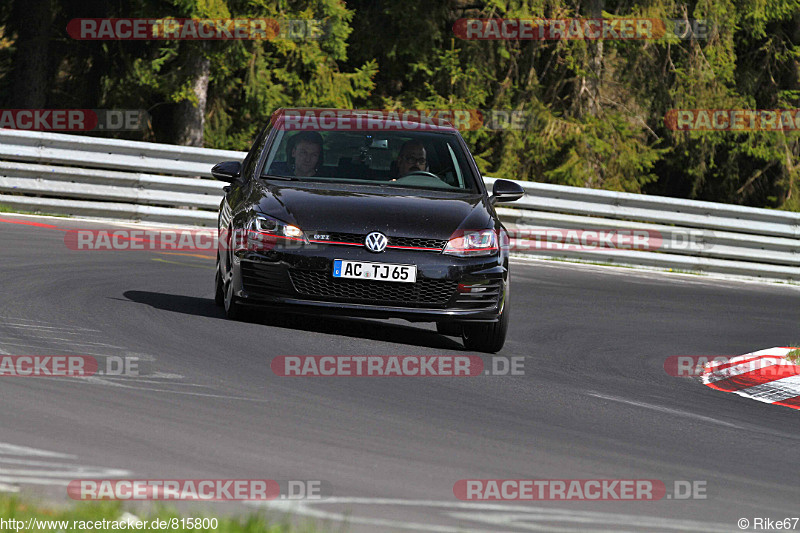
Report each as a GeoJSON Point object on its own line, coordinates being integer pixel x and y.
{"type": "Point", "coordinates": [596, 107]}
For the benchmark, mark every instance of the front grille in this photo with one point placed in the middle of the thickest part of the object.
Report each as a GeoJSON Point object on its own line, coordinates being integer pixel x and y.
{"type": "Point", "coordinates": [417, 242]}
{"type": "Point", "coordinates": [265, 278]}
{"type": "Point", "coordinates": [411, 242]}
{"type": "Point", "coordinates": [352, 238]}
{"type": "Point", "coordinates": [422, 293]}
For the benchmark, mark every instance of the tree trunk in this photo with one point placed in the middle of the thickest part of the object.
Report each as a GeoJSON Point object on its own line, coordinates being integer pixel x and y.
{"type": "Point", "coordinates": [588, 90]}
{"type": "Point", "coordinates": [589, 95]}
{"type": "Point", "coordinates": [790, 168]}
{"type": "Point", "coordinates": [595, 62]}
{"type": "Point", "coordinates": [191, 118]}
{"type": "Point", "coordinates": [32, 20]}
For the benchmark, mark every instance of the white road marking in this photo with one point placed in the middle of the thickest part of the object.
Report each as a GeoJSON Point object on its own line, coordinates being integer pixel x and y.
{"type": "Point", "coordinates": [49, 481]}
{"type": "Point", "coordinates": [204, 395]}
{"type": "Point", "coordinates": [71, 472]}
{"type": "Point", "coordinates": [515, 516]}
{"type": "Point", "coordinates": [72, 342]}
{"type": "Point", "coordinates": [50, 473]}
{"type": "Point", "coordinates": [167, 376]}
{"type": "Point", "coordinates": [27, 462]}
{"type": "Point", "coordinates": [667, 410]}
{"type": "Point", "coordinates": [61, 351]}
{"type": "Point", "coordinates": [99, 380]}
{"type": "Point", "coordinates": [130, 382]}
{"type": "Point", "coordinates": [19, 321]}
{"type": "Point", "coordinates": [65, 329]}
{"type": "Point", "coordinates": [12, 449]}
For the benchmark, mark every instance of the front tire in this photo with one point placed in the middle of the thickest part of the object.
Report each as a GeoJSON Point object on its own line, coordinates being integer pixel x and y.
{"type": "Point", "coordinates": [233, 309]}
{"type": "Point", "coordinates": [488, 338]}
{"type": "Point", "coordinates": [219, 287]}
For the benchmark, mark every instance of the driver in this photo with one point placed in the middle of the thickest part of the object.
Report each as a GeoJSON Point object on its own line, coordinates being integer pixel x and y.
{"type": "Point", "coordinates": [412, 158]}
{"type": "Point", "coordinates": [307, 153]}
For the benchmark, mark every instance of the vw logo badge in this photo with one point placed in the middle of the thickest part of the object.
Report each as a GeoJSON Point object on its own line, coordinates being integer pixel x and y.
{"type": "Point", "coordinates": [376, 242]}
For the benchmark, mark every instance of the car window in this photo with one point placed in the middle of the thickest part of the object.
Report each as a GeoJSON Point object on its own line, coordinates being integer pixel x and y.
{"type": "Point", "coordinates": [372, 158]}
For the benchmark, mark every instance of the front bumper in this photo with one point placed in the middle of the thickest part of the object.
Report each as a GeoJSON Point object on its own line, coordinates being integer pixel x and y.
{"type": "Point", "coordinates": [447, 288]}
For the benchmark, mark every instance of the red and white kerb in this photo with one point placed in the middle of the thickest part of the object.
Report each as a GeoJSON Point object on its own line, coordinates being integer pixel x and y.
{"type": "Point", "coordinates": [764, 375]}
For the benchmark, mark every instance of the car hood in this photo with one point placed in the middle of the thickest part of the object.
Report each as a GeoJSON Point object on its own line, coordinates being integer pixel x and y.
{"type": "Point", "coordinates": [362, 209]}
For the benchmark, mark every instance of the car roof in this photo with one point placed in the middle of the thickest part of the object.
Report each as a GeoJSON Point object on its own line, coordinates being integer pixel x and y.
{"type": "Point", "coordinates": [331, 119]}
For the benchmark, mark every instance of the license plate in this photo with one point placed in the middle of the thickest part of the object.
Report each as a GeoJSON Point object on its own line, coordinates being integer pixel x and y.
{"type": "Point", "coordinates": [374, 271]}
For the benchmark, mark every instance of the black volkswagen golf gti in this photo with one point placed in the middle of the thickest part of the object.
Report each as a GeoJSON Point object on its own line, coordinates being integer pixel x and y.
{"type": "Point", "coordinates": [378, 218]}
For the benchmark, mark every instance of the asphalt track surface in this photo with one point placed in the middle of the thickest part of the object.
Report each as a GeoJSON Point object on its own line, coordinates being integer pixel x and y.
{"type": "Point", "coordinates": [595, 401]}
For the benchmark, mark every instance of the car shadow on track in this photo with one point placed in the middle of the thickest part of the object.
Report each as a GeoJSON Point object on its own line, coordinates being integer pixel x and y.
{"type": "Point", "coordinates": [333, 325]}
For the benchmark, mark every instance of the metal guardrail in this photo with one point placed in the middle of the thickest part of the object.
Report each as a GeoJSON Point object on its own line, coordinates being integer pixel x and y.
{"type": "Point", "coordinates": [110, 178]}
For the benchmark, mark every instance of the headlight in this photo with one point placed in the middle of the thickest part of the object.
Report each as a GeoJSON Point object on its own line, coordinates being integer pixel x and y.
{"type": "Point", "coordinates": [273, 226]}
{"type": "Point", "coordinates": [472, 243]}
{"type": "Point", "coordinates": [265, 233]}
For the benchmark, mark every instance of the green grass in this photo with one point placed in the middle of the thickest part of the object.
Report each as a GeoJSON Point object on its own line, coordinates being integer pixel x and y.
{"type": "Point", "coordinates": [692, 272]}
{"type": "Point", "coordinates": [794, 355]}
{"type": "Point", "coordinates": [619, 265]}
{"type": "Point", "coordinates": [585, 262]}
{"type": "Point", "coordinates": [14, 507]}
{"type": "Point", "coordinates": [8, 209]}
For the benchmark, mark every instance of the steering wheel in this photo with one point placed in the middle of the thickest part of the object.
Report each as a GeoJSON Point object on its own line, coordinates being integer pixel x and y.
{"type": "Point", "coordinates": [421, 173]}
{"type": "Point", "coordinates": [420, 177]}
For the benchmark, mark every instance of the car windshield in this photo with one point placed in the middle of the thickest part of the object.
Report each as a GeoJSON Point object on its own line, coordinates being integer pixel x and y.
{"type": "Point", "coordinates": [424, 160]}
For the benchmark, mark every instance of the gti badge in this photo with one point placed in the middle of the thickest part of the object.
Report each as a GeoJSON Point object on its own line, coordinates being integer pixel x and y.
{"type": "Point", "coordinates": [376, 242]}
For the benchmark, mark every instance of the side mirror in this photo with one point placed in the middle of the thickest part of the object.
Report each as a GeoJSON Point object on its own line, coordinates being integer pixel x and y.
{"type": "Point", "coordinates": [227, 171]}
{"type": "Point", "coordinates": [506, 191]}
